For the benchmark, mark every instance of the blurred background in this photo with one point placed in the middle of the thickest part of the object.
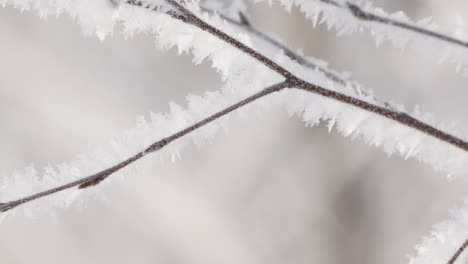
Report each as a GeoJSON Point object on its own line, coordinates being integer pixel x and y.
{"type": "Point", "coordinates": [268, 190]}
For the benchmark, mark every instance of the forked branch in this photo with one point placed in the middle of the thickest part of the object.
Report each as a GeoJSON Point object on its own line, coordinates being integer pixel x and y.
{"type": "Point", "coordinates": [291, 81]}
{"type": "Point", "coordinates": [298, 83]}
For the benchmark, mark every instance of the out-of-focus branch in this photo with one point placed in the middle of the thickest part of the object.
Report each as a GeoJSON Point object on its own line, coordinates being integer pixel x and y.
{"type": "Point", "coordinates": [156, 146]}
{"type": "Point", "coordinates": [364, 15]}
{"type": "Point", "coordinates": [458, 252]}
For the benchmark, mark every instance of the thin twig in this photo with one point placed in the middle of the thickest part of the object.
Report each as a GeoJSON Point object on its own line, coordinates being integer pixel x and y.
{"type": "Point", "coordinates": [196, 21]}
{"type": "Point", "coordinates": [399, 117]}
{"type": "Point", "coordinates": [364, 15]}
{"type": "Point", "coordinates": [298, 83]}
{"type": "Point", "coordinates": [158, 145]}
{"type": "Point", "coordinates": [361, 14]}
{"type": "Point", "coordinates": [458, 252]}
{"type": "Point", "coordinates": [293, 55]}
{"type": "Point", "coordinates": [291, 81]}
{"type": "Point", "coordinates": [247, 25]}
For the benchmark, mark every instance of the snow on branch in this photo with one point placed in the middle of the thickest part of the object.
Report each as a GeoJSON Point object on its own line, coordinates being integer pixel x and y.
{"type": "Point", "coordinates": [349, 16]}
{"type": "Point", "coordinates": [245, 71]}
{"type": "Point", "coordinates": [248, 60]}
{"type": "Point", "coordinates": [146, 130]}
{"type": "Point", "coordinates": [320, 95]}
{"type": "Point", "coordinates": [305, 80]}
{"type": "Point", "coordinates": [232, 54]}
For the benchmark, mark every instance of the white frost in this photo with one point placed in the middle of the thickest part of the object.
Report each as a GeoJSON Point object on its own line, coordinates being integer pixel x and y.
{"type": "Point", "coordinates": [242, 77]}
{"type": "Point", "coordinates": [444, 240]}
{"type": "Point", "coordinates": [340, 19]}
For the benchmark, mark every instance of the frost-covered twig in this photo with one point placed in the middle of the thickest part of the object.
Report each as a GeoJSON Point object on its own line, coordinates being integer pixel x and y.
{"type": "Point", "coordinates": [246, 24]}
{"type": "Point", "coordinates": [156, 146]}
{"type": "Point", "coordinates": [292, 81]}
{"type": "Point", "coordinates": [365, 15]}
{"type": "Point", "coordinates": [299, 83]}
{"type": "Point", "coordinates": [349, 16]}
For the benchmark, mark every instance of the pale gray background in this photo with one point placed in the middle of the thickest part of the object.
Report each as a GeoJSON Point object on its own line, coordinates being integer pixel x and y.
{"type": "Point", "coordinates": [268, 191]}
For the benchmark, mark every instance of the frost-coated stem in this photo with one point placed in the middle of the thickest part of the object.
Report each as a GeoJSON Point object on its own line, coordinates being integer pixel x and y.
{"type": "Point", "coordinates": [292, 81]}
{"type": "Point", "coordinates": [196, 21]}
{"type": "Point", "coordinates": [156, 146]}
{"type": "Point", "coordinates": [289, 52]}
{"type": "Point", "coordinates": [361, 14]}
{"type": "Point", "coordinates": [183, 14]}
{"type": "Point", "coordinates": [400, 117]}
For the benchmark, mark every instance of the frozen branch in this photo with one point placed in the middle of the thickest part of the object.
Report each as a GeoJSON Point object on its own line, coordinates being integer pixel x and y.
{"type": "Point", "coordinates": [364, 15]}
{"type": "Point", "coordinates": [349, 16]}
{"type": "Point", "coordinates": [249, 27]}
{"type": "Point", "coordinates": [181, 13]}
{"type": "Point", "coordinates": [297, 82]}
{"type": "Point", "coordinates": [181, 10]}
{"type": "Point", "coordinates": [156, 146]}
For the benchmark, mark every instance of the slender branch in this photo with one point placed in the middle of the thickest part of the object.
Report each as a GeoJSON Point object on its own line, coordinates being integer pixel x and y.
{"type": "Point", "coordinates": [196, 21]}
{"type": "Point", "coordinates": [399, 117]}
{"type": "Point", "coordinates": [361, 14]}
{"type": "Point", "coordinates": [156, 146]}
{"type": "Point", "coordinates": [298, 83]}
{"type": "Point", "coordinates": [291, 81]}
{"type": "Point", "coordinates": [458, 252]}
{"type": "Point", "coordinates": [293, 55]}
{"type": "Point", "coordinates": [247, 25]}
